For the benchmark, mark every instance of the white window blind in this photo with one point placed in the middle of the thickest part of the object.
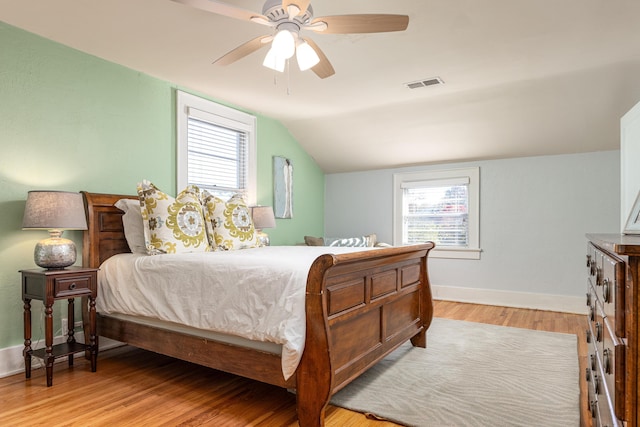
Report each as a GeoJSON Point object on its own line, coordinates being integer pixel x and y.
{"type": "Point", "coordinates": [437, 212]}
{"type": "Point", "coordinates": [217, 156]}
{"type": "Point", "coordinates": [440, 206]}
{"type": "Point", "coordinates": [216, 147]}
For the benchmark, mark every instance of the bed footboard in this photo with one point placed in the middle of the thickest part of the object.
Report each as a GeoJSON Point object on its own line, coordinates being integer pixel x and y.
{"type": "Point", "coordinates": [360, 307]}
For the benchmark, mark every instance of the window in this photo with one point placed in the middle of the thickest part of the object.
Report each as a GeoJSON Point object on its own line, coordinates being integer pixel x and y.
{"type": "Point", "coordinates": [441, 206]}
{"type": "Point", "coordinates": [216, 147]}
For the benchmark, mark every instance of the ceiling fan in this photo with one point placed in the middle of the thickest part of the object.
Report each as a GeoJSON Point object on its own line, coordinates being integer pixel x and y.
{"type": "Point", "coordinates": [288, 18]}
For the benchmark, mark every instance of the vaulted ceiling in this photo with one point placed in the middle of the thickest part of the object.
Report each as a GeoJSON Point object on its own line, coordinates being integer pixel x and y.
{"type": "Point", "coordinates": [521, 77]}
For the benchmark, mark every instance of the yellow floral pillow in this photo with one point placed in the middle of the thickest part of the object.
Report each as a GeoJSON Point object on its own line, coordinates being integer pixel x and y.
{"type": "Point", "coordinates": [172, 225]}
{"type": "Point", "coordinates": [229, 223]}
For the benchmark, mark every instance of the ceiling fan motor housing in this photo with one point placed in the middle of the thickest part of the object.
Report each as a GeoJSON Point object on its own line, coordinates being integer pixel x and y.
{"type": "Point", "coordinates": [274, 11]}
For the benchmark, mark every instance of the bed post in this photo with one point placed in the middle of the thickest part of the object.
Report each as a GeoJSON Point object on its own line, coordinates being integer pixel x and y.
{"type": "Point", "coordinates": [426, 309]}
{"type": "Point", "coordinates": [86, 317]}
{"type": "Point", "coordinates": [103, 237]}
{"type": "Point", "coordinates": [315, 375]}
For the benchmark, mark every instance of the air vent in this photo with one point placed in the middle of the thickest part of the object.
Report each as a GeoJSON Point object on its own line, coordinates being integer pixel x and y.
{"type": "Point", "coordinates": [424, 83]}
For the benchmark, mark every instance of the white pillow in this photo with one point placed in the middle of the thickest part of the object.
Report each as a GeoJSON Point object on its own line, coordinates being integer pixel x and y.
{"type": "Point", "coordinates": [133, 225]}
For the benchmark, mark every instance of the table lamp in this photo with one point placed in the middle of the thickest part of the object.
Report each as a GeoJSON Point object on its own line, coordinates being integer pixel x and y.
{"type": "Point", "coordinates": [263, 217]}
{"type": "Point", "coordinates": [54, 211]}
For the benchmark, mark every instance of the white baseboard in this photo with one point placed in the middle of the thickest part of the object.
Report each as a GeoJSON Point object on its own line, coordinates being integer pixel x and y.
{"type": "Point", "coordinates": [12, 361]}
{"type": "Point", "coordinates": [560, 303]}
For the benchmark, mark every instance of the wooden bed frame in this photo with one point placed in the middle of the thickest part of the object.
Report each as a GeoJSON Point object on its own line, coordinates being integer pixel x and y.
{"type": "Point", "coordinates": [359, 308]}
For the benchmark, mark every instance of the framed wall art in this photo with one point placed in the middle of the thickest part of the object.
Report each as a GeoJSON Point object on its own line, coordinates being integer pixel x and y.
{"type": "Point", "coordinates": [633, 222]}
{"type": "Point", "coordinates": [282, 187]}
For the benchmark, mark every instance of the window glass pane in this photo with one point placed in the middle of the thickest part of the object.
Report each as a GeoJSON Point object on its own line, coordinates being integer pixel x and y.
{"type": "Point", "coordinates": [217, 157]}
{"type": "Point", "coordinates": [437, 213]}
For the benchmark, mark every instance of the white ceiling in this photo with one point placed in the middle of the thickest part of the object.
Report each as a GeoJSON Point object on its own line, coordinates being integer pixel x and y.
{"type": "Point", "coordinates": [522, 77]}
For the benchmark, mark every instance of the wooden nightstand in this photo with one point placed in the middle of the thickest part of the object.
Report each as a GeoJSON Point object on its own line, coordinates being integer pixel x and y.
{"type": "Point", "coordinates": [48, 286]}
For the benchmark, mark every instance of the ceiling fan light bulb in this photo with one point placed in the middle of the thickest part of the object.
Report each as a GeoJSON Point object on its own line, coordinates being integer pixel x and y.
{"type": "Point", "coordinates": [284, 44]}
{"type": "Point", "coordinates": [306, 56]}
{"type": "Point", "coordinates": [273, 61]}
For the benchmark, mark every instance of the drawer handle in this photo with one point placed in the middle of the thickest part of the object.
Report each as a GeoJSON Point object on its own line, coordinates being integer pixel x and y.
{"type": "Point", "coordinates": [592, 314]}
{"type": "Point", "coordinates": [598, 331]}
{"type": "Point", "coordinates": [589, 299]}
{"type": "Point", "coordinates": [587, 374]}
{"type": "Point", "coordinates": [588, 335]}
{"type": "Point", "coordinates": [607, 360]}
{"type": "Point", "coordinates": [596, 383]}
{"type": "Point", "coordinates": [72, 286]}
{"type": "Point", "coordinates": [598, 276]}
{"type": "Point", "coordinates": [606, 290]}
{"type": "Point", "coordinates": [593, 407]}
{"type": "Point", "coordinates": [592, 358]}
{"type": "Point", "coordinates": [588, 261]}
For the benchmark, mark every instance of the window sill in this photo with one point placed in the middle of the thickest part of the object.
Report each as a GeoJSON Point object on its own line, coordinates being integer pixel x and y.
{"type": "Point", "coordinates": [455, 253]}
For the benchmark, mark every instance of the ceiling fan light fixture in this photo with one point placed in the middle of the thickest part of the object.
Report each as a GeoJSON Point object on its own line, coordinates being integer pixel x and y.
{"type": "Point", "coordinates": [273, 61]}
{"type": "Point", "coordinates": [306, 56]}
{"type": "Point", "coordinates": [284, 44]}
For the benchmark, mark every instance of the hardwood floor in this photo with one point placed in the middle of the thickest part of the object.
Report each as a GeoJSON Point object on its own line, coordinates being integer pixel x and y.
{"type": "Point", "coordinates": [133, 387]}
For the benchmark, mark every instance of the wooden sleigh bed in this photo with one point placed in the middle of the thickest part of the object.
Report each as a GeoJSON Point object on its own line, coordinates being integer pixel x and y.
{"type": "Point", "coordinates": [359, 307]}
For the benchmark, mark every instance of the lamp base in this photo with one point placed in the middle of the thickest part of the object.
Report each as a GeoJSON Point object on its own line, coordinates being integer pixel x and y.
{"type": "Point", "coordinates": [263, 238]}
{"type": "Point", "coordinates": [55, 253]}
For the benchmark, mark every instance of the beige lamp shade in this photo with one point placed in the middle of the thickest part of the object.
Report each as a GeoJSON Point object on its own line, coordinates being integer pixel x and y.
{"type": "Point", "coordinates": [46, 210]}
{"type": "Point", "coordinates": [263, 217]}
{"type": "Point", "coordinates": [54, 211]}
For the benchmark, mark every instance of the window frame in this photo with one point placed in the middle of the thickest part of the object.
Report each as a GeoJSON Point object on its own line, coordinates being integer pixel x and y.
{"type": "Point", "coordinates": [472, 251]}
{"type": "Point", "coordinates": [220, 115]}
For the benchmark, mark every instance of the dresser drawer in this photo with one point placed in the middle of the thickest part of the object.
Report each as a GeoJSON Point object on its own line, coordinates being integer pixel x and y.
{"type": "Point", "coordinates": [613, 356]}
{"type": "Point", "coordinates": [611, 291]}
{"type": "Point", "coordinates": [590, 374]}
{"type": "Point", "coordinates": [604, 397]}
{"type": "Point", "coordinates": [597, 326]}
{"type": "Point", "coordinates": [71, 286]}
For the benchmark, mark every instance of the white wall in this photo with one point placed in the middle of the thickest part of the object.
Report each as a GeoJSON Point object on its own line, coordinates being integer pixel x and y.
{"type": "Point", "coordinates": [629, 155]}
{"type": "Point", "coordinates": [534, 214]}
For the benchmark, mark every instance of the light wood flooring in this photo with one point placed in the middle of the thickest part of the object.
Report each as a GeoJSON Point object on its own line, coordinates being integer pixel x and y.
{"type": "Point", "coordinates": [134, 388]}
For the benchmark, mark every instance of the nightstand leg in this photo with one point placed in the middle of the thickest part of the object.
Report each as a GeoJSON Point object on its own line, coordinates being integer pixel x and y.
{"type": "Point", "coordinates": [93, 338]}
{"type": "Point", "coordinates": [48, 339]}
{"type": "Point", "coordinates": [70, 319]}
{"type": "Point", "coordinates": [27, 338]}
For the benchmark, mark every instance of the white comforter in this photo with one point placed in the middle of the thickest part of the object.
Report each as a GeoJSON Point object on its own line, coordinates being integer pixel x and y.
{"type": "Point", "coordinates": [257, 293]}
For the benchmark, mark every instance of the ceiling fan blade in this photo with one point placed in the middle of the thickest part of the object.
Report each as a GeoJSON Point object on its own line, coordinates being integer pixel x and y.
{"type": "Point", "coordinates": [223, 9]}
{"type": "Point", "coordinates": [363, 23]}
{"type": "Point", "coordinates": [323, 69]}
{"type": "Point", "coordinates": [302, 5]}
{"type": "Point", "coordinates": [241, 51]}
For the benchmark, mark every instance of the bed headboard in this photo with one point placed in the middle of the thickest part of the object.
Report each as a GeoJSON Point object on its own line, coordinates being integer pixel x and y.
{"type": "Point", "coordinates": [104, 236]}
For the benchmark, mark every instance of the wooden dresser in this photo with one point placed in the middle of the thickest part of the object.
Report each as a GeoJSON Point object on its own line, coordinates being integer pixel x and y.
{"type": "Point", "coordinates": [613, 302]}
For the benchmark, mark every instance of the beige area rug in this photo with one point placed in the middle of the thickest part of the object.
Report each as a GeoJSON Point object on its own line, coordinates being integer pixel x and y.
{"type": "Point", "coordinates": [473, 374]}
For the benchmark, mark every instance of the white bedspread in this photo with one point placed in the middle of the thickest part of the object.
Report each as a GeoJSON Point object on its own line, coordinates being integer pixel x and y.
{"type": "Point", "coordinates": [257, 293]}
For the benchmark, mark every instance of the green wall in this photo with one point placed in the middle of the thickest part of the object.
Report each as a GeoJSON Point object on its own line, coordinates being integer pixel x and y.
{"type": "Point", "coordinates": [71, 121]}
